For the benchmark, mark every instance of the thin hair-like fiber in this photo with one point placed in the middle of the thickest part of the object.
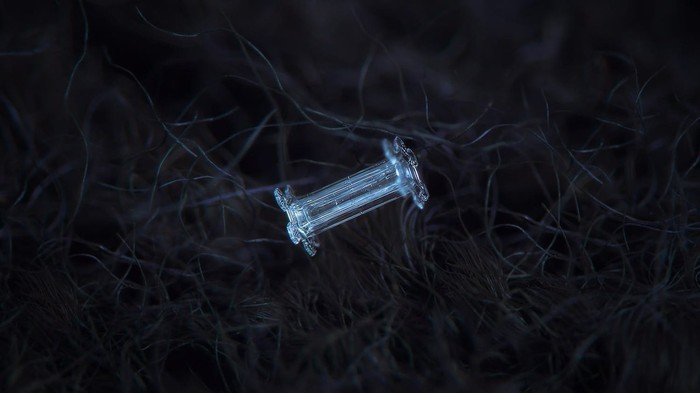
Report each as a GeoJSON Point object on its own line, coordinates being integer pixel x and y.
{"type": "Point", "coordinates": [141, 248]}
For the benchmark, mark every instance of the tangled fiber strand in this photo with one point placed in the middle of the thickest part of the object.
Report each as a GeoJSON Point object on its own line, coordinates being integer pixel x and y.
{"type": "Point", "coordinates": [141, 248]}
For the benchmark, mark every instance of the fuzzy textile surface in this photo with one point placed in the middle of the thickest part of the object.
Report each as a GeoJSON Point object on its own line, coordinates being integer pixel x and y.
{"type": "Point", "coordinates": [141, 248]}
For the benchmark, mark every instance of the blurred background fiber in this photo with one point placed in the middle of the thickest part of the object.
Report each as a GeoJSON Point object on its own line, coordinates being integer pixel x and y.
{"type": "Point", "coordinates": [141, 248]}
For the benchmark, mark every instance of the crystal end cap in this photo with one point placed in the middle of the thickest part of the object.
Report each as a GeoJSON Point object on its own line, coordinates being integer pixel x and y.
{"type": "Point", "coordinates": [407, 166]}
{"type": "Point", "coordinates": [288, 202]}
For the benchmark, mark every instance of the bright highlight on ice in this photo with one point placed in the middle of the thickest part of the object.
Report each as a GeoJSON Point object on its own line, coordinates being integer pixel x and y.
{"type": "Point", "coordinates": [388, 180]}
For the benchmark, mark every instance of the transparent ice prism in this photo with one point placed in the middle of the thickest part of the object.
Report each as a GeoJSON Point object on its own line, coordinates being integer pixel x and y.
{"type": "Point", "coordinates": [393, 178]}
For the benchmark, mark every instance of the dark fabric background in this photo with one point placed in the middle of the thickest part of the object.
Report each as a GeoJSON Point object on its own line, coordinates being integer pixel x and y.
{"type": "Point", "coordinates": [141, 248]}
